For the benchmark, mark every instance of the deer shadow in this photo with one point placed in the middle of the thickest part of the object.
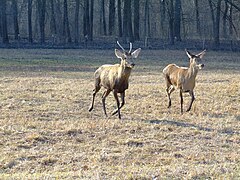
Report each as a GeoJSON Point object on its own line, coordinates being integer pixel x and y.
{"type": "Point", "coordinates": [190, 125]}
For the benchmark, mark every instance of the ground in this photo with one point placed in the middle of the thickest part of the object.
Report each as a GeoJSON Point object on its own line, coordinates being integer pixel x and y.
{"type": "Point", "coordinates": [46, 131]}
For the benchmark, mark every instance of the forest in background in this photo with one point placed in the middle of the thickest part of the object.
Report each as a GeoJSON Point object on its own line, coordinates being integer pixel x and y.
{"type": "Point", "coordinates": [153, 23]}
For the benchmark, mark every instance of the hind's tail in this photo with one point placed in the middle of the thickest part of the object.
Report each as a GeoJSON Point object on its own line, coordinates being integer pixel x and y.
{"type": "Point", "coordinates": [165, 73]}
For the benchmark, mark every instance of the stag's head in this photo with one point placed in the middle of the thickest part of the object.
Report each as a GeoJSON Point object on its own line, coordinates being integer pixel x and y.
{"type": "Point", "coordinates": [196, 60]}
{"type": "Point", "coordinates": [127, 56]}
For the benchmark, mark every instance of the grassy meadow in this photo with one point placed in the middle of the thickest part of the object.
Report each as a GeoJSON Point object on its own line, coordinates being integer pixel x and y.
{"type": "Point", "coordinates": [46, 131]}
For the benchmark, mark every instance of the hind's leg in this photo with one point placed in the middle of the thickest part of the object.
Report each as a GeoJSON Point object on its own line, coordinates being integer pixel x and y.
{"type": "Point", "coordinates": [193, 98]}
{"type": "Point", "coordinates": [97, 88]}
{"type": "Point", "coordinates": [169, 90]}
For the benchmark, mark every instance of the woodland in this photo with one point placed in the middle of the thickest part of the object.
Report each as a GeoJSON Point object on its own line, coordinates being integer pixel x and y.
{"type": "Point", "coordinates": [99, 23]}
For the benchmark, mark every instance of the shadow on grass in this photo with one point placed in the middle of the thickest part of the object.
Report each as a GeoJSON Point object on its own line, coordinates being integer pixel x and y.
{"type": "Point", "coordinates": [189, 125]}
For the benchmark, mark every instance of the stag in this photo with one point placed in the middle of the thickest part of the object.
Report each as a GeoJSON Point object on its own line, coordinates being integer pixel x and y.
{"type": "Point", "coordinates": [183, 78]}
{"type": "Point", "coordinates": [115, 78]}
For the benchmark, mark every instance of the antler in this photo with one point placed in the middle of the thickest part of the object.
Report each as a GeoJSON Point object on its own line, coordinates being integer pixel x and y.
{"type": "Point", "coordinates": [120, 46]}
{"type": "Point", "coordinates": [130, 48]}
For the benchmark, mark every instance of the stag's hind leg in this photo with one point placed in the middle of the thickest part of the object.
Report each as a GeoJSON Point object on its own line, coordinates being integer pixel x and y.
{"type": "Point", "coordinates": [96, 89]}
{"type": "Point", "coordinates": [105, 94]}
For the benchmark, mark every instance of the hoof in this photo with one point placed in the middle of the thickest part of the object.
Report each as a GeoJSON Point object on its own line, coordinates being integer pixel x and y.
{"type": "Point", "coordinates": [90, 109]}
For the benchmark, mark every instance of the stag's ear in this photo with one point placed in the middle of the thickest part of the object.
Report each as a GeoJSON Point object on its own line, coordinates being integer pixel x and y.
{"type": "Point", "coordinates": [188, 54]}
{"type": "Point", "coordinates": [118, 53]}
{"type": "Point", "coordinates": [201, 54]}
{"type": "Point", "coordinates": [136, 53]}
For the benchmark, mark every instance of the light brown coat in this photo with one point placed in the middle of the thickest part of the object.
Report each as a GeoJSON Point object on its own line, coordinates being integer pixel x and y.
{"type": "Point", "coordinates": [183, 78]}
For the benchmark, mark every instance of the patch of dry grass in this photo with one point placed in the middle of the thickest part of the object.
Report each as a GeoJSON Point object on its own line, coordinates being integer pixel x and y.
{"type": "Point", "coordinates": [46, 131]}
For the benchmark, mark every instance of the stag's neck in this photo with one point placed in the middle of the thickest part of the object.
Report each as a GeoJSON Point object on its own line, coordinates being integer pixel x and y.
{"type": "Point", "coordinates": [124, 71]}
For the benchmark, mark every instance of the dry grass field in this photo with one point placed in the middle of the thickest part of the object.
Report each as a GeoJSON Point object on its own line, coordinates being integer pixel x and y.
{"type": "Point", "coordinates": [46, 131]}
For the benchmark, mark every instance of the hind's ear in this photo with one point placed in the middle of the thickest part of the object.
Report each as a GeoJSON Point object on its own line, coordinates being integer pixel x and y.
{"type": "Point", "coordinates": [118, 53]}
{"type": "Point", "coordinates": [201, 54]}
{"type": "Point", "coordinates": [136, 53]}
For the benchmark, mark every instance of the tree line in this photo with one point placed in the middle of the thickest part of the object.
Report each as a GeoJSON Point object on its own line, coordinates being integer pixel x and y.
{"type": "Point", "coordinates": [78, 21]}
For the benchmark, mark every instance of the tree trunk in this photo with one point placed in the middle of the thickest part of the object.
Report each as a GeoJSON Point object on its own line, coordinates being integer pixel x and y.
{"type": "Point", "coordinates": [111, 24]}
{"type": "Point", "coordinates": [171, 22]}
{"type": "Point", "coordinates": [212, 15]}
{"type": "Point", "coordinates": [177, 20]}
{"type": "Point", "coordinates": [1, 33]}
{"type": "Point", "coordinates": [41, 11]}
{"type": "Point", "coordinates": [230, 21]}
{"type": "Point", "coordinates": [198, 26]}
{"type": "Point", "coordinates": [15, 19]}
{"type": "Point", "coordinates": [91, 21]}
{"type": "Point", "coordinates": [4, 22]}
{"type": "Point", "coordinates": [162, 15]}
{"type": "Point", "coordinates": [130, 28]}
{"type": "Point", "coordinates": [76, 39]}
{"type": "Point", "coordinates": [103, 19]}
{"type": "Point", "coordinates": [30, 38]}
{"type": "Point", "coordinates": [66, 28]}
{"type": "Point", "coordinates": [136, 20]}
{"type": "Point", "coordinates": [217, 25]}
{"type": "Point", "coordinates": [53, 20]}
{"type": "Point", "coordinates": [225, 20]}
{"type": "Point", "coordinates": [127, 21]}
{"type": "Point", "coordinates": [120, 30]}
{"type": "Point", "coordinates": [146, 19]}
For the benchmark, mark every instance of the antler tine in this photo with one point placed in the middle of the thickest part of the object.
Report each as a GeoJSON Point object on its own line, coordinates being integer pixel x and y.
{"type": "Point", "coordinates": [120, 46]}
{"type": "Point", "coordinates": [130, 47]}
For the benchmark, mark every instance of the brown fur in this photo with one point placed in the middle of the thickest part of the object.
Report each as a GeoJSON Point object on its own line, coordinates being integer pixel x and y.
{"type": "Point", "coordinates": [183, 78]}
{"type": "Point", "coordinates": [114, 78]}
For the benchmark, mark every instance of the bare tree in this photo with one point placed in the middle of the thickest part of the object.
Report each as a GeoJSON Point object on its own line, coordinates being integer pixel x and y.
{"type": "Point", "coordinates": [15, 19]}
{"type": "Point", "coordinates": [66, 28]}
{"type": "Point", "coordinates": [42, 10]}
{"type": "Point", "coordinates": [127, 21]}
{"type": "Point", "coordinates": [103, 26]}
{"type": "Point", "coordinates": [170, 11]}
{"type": "Point", "coordinates": [177, 20]}
{"type": "Point", "coordinates": [136, 20]}
{"type": "Point", "coordinates": [53, 26]}
{"type": "Point", "coordinates": [162, 15]}
{"type": "Point", "coordinates": [111, 24]}
{"type": "Point", "coordinates": [119, 5]}
{"type": "Point", "coordinates": [146, 19]}
{"type": "Point", "coordinates": [3, 22]}
{"type": "Point", "coordinates": [215, 21]}
{"type": "Point", "coordinates": [76, 39]}
{"type": "Point", "coordinates": [91, 21]}
{"type": "Point", "coordinates": [198, 26]}
{"type": "Point", "coordinates": [30, 36]}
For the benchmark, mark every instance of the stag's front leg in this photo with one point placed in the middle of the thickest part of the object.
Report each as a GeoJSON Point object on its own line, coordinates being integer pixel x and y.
{"type": "Point", "coordinates": [192, 99]}
{"type": "Point", "coordinates": [118, 104]}
{"type": "Point", "coordinates": [105, 94]}
{"type": "Point", "coordinates": [122, 104]}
